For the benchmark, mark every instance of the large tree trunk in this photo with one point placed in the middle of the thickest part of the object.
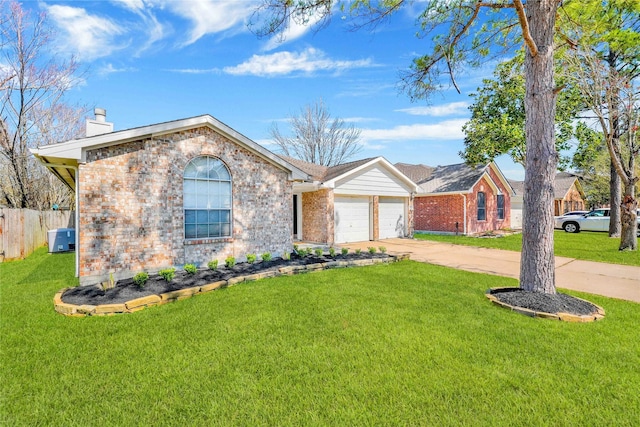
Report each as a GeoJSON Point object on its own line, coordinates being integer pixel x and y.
{"type": "Point", "coordinates": [628, 207]}
{"type": "Point", "coordinates": [615, 199]}
{"type": "Point", "coordinates": [537, 266]}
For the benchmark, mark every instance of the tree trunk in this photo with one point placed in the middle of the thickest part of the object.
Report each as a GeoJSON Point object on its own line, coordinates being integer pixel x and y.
{"type": "Point", "coordinates": [615, 199]}
{"type": "Point", "coordinates": [537, 266]}
{"type": "Point", "coordinates": [628, 209]}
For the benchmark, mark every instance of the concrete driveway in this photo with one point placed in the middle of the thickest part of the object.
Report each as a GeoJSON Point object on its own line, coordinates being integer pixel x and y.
{"type": "Point", "coordinates": [610, 280]}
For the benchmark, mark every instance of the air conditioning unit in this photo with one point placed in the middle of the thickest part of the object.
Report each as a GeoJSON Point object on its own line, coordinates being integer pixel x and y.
{"type": "Point", "coordinates": [62, 240]}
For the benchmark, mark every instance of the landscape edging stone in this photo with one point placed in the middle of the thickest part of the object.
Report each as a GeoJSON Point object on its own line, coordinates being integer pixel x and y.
{"type": "Point", "coordinates": [132, 306]}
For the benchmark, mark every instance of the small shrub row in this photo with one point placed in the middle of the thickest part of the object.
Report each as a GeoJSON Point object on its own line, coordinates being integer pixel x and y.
{"type": "Point", "coordinates": [140, 279]}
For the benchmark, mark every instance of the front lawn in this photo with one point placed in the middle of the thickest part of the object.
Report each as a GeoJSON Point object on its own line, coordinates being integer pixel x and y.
{"type": "Point", "coordinates": [586, 245]}
{"type": "Point", "coordinates": [401, 344]}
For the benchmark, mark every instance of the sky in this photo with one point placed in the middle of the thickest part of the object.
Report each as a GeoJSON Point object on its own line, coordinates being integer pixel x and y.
{"type": "Point", "coordinates": [151, 61]}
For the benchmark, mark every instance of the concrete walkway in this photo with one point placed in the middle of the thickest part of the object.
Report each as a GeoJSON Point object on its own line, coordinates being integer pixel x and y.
{"type": "Point", "coordinates": [610, 280]}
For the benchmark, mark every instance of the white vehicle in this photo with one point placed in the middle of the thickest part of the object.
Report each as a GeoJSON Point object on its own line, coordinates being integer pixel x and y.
{"type": "Point", "coordinates": [595, 220]}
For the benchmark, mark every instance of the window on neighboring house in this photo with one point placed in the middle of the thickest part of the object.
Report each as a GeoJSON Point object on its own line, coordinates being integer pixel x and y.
{"type": "Point", "coordinates": [207, 199]}
{"type": "Point", "coordinates": [500, 201]}
{"type": "Point", "coordinates": [482, 207]}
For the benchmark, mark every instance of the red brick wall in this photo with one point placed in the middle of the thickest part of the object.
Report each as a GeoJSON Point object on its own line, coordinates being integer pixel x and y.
{"type": "Point", "coordinates": [317, 216]}
{"type": "Point", "coordinates": [440, 213]}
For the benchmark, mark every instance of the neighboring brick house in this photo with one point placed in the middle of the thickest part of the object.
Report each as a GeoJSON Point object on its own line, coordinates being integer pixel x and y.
{"type": "Point", "coordinates": [568, 196]}
{"type": "Point", "coordinates": [459, 199]}
{"type": "Point", "coordinates": [367, 199]}
{"type": "Point", "coordinates": [185, 191]}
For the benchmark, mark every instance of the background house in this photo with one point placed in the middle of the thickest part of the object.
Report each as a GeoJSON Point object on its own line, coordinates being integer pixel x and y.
{"type": "Point", "coordinates": [568, 196]}
{"type": "Point", "coordinates": [459, 198]}
{"type": "Point", "coordinates": [367, 199]}
{"type": "Point", "coordinates": [185, 191]}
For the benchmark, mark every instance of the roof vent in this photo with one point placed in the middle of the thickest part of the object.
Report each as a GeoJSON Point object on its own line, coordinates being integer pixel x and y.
{"type": "Point", "coordinates": [99, 125]}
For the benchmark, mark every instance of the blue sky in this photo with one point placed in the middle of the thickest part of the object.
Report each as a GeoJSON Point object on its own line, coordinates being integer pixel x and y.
{"type": "Point", "coordinates": [150, 61]}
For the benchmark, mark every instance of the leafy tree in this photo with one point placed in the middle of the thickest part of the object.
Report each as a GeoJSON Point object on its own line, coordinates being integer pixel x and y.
{"type": "Point", "coordinates": [317, 138]}
{"type": "Point", "coordinates": [32, 111]}
{"type": "Point", "coordinates": [604, 63]}
{"type": "Point", "coordinates": [497, 119]}
{"type": "Point", "coordinates": [615, 101]}
{"type": "Point", "coordinates": [456, 44]}
{"type": "Point", "coordinates": [610, 30]}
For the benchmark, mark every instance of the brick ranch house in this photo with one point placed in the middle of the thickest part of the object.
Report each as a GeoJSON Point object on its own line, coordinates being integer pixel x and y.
{"type": "Point", "coordinates": [367, 199]}
{"type": "Point", "coordinates": [568, 196]}
{"type": "Point", "coordinates": [459, 199]}
{"type": "Point", "coordinates": [185, 191]}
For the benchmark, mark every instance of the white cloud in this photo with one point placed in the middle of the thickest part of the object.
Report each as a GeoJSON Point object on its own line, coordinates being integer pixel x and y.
{"type": "Point", "coordinates": [210, 16]}
{"type": "Point", "coordinates": [88, 36]}
{"type": "Point", "coordinates": [194, 70]}
{"type": "Point", "coordinates": [283, 63]}
{"type": "Point", "coordinates": [133, 5]}
{"type": "Point", "coordinates": [445, 130]}
{"type": "Point", "coordinates": [450, 109]}
{"type": "Point", "coordinates": [110, 69]}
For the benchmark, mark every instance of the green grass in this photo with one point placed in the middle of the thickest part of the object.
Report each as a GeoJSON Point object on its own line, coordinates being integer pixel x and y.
{"type": "Point", "coordinates": [401, 344]}
{"type": "Point", "coordinates": [588, 246]}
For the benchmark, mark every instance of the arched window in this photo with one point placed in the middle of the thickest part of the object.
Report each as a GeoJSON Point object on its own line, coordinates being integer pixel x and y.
{"type": "Point", "coordinates": [482, 207]}
{"type": "Point", "coordinates": [207, 199]}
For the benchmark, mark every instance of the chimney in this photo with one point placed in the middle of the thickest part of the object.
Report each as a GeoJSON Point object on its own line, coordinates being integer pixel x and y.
{"type": "Point", "coordinates": [99, 125]}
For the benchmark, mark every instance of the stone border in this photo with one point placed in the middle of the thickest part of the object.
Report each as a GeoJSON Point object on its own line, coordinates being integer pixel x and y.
{"type": "Point", "coordinates": [138, 304]}
{"type": "Point", "coordinates": [565, 317]}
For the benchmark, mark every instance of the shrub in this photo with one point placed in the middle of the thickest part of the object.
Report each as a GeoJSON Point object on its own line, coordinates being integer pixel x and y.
{"type": "Point", "coordinates": [266, 256]}
{"type": "Point", "coordinates": [140, 279]}
{"type": "Point", "coordinates": [318, 252]}
{"type": "Point", "coordinates": [110, 284]}
{"type": "Point", "coordinates": [358, 250]}
{"type": "Point", "coordinates": [371, 249]}
{"type": "Point", "coordinates": [213, 265]}
{"type": "Point", "coordinates": [230, 262]}
{"type": "Point", "coordinates": [383, 249]}
{"type": "Point", "coordinates": [344, 251]}
{"type": "Point", "coordinates": [332, 252]}
{"type": "Point", "coordinates": [286, 256]}
{"type": "Point", "coordinates": [168, 273]}
{"type": "Point", "coordinates": [302, 252]}
{"type": "Point", "coordinates": [295, 248]}
{"type": "Point", "coordinates": [251, 258]}
{"type": "Point", "coordinates": [190, 268]}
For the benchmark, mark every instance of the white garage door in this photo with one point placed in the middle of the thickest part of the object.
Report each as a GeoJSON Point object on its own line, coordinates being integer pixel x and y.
{"type": "Point", "coordinates": [391, 218]}
{"type": "Point", "coordinates": [351, 219]}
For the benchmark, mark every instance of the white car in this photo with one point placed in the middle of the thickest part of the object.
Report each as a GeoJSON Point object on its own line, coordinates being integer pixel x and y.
{"type": "Point", "coordinates": [573, 213]}
{"type": "Point", "coordinates": [595, 220]}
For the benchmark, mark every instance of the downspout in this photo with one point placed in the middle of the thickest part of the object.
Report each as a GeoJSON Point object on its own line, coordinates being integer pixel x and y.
{"type": "Point", "coordinates": [77, 214]}
{"type": "Point", "coordinates": [464, 207]}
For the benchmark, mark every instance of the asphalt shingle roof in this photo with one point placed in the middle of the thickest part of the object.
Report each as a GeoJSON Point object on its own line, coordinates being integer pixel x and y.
{"type": "Point", "coordinates": [325, 173]}
{"type": "Point", "coordinates": [452, 178]}
{"type": "Point", "coordinates": [415, 173]}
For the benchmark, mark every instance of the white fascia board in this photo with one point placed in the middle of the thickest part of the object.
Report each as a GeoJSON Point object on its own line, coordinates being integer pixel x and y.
{"type": "Point", "coordinates": [77, 148]}
{"type": "Point", "coordinates": [382, 161]}
{"type": "Point", "coordinates": [305, 187]}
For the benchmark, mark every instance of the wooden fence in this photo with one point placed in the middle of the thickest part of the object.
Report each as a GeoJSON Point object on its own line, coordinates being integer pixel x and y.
{"type": "Point", "coordinates": [22, 231]}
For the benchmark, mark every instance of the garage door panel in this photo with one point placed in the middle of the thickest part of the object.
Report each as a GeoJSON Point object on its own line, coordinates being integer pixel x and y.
{"type": "Point", "coordinates": [391, 218]}
{"type": "Point", "coordinates": [351, 219]}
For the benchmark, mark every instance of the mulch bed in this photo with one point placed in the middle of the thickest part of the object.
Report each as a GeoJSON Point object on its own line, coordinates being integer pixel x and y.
{"type": "Point", "coordinates": [126, 290]}
{"type": "Point", "coordinates": [547, 303]}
